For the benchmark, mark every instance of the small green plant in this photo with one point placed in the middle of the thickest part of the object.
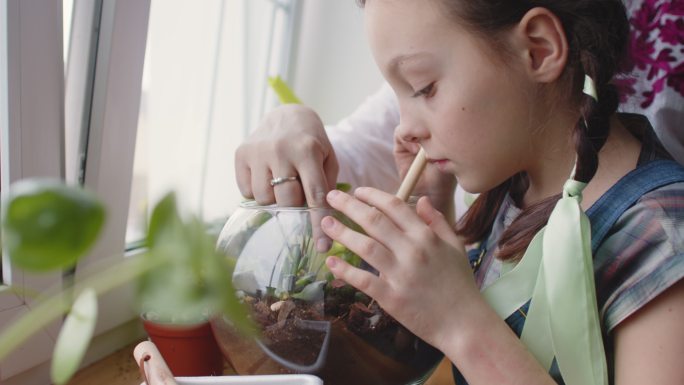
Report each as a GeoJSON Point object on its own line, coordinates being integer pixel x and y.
{"type": "Point", "coordinates": [47, 226]}
{"type": "Point", "coordinates": [302, 274]}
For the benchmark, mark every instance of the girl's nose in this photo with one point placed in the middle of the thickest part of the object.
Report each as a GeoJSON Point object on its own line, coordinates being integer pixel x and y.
{"type": "Point", "coordinates": [411, 126]}
{"type": "Point", "coordinates": [407, 137]}
{"type": "Point", "coordinates": [410, 130]}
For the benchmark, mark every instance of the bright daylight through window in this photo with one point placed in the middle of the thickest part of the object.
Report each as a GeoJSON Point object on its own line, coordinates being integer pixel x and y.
{"type": "Point", "coordinates": [204, 86]}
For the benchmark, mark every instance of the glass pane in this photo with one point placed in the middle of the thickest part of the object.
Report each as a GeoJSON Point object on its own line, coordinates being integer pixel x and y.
{"type": "Point", "coordinates": [67, 14]}
{"type": "Point", "coordinates": [1, 248]}
{"type": "Point", "coordinates": [201, 85]}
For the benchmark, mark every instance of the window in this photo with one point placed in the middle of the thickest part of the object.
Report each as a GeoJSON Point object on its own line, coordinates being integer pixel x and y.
{"type": "Point", "coordinates": [99, 100]}
{"type": "Point", "coordinates": [32, 134]}
{"type": "Point", "coordinates": [82, 110]}
{"type": "Point", "coordinates": [204, 86]}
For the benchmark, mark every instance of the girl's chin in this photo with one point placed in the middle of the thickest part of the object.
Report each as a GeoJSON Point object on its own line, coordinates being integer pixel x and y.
{"type": "Point", "coordinates": [473, 185]}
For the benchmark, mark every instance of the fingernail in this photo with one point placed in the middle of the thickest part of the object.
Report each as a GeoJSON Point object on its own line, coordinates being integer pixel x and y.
{"type": "Point", "coordinates": [331, 262]}
{"type": "Point", "coordinates": [333, 194]}
{"type": "Point", "coordinates": [323, 245]}
{"type": "Point", "coordinates": [327, 223]}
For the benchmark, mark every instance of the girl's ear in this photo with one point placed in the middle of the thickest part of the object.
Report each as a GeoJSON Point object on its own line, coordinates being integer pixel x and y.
{"type": "Point", "coordinates": [541, 41]}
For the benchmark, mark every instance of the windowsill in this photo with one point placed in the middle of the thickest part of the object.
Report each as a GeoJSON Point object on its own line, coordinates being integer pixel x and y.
{"type": "Point", "coordinates": [119, 368]}
{"type": "Point", "coordinates": [108, 362]}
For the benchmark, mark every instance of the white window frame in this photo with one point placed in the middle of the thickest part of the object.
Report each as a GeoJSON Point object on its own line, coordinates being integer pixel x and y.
{"type": "Point", "coordinates": [102, 100]}
{"type": "Point", "coordinates": [108, 112]}
{"type": "Point", "coordinates": [32, 125]}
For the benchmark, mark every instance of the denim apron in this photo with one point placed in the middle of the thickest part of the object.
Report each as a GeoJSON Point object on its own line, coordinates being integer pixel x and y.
{"type": "Point", "coordinates": [602, 214]}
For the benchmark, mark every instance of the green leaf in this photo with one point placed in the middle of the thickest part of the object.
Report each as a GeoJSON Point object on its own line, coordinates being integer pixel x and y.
{"type": "Point", "coordinates": [312, 292]}
{"type": "Point", "coordinates": [74, 337]}
{"type": "Point", "coordinates": [345, 187]}
{"type": "Point", "coordinates": [194, 281]}
{"type": "Point", "coordinates": [304, 281]}
{"type": "Point", "coordinates": [49, 225]}
{"type": "Point", "coordinates": [283, 91]}
{"type": "Point", "coordinates": [164, 218]}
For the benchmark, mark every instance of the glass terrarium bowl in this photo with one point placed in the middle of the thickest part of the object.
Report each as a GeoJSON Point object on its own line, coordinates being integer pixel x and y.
{"type": "Point", "coordinates": [309, 322]}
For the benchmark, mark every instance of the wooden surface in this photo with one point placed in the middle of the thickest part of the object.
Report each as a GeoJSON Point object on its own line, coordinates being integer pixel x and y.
{"type": "Point", "coordinates": [120, 368]}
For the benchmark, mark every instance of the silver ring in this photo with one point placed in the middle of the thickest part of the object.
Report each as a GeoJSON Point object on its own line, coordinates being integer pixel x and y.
{"type": "Point", "coordinates": [276, 181]}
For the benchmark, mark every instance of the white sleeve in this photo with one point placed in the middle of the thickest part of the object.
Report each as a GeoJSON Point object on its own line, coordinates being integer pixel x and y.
{"type": "Point", "coordinates": [363, 142]}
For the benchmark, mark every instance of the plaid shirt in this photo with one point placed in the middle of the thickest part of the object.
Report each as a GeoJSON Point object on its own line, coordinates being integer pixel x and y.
{"type": "Point", "coordinates": [641, 257]}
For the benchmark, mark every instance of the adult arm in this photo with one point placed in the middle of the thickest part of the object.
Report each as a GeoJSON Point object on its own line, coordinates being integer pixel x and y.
{"type": "Point", "coordinates": [364, 142]}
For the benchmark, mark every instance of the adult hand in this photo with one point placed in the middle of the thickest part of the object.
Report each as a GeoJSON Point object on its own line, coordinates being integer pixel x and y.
{"type": "Point", "coordinates": [438, 186]}
{"type": "Point", "coordinates": [290, 142]}
{"type": "Point", "coordinates": [424, 280]}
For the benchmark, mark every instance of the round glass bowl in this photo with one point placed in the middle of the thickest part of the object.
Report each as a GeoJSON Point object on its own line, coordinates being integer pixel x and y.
{"type": "Point", "coordinates": [308, 321]}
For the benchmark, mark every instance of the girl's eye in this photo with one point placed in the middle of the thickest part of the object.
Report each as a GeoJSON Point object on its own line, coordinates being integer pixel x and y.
{"type": "Point", "coordinates": [427, 91]}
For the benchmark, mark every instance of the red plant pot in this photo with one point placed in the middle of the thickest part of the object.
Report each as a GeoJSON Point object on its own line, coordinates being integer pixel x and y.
{"type": "Point", "coordinates": [189, 350]}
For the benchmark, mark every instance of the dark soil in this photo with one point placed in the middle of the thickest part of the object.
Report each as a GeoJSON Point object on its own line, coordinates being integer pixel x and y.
{"type": "Point", "coordinates": [365, 345]}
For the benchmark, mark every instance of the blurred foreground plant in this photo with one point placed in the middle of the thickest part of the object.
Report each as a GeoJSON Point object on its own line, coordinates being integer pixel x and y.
{"type": "Point", "coordinates": [48, 226]}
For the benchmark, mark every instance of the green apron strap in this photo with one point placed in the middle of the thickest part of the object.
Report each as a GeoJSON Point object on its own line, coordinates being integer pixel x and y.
{"type": "Point", "coordinates": [556, 274]}
{"type": "Point", "coordinates": [570, 292]}
{"type": "Point", "coordinates": [508, 293]}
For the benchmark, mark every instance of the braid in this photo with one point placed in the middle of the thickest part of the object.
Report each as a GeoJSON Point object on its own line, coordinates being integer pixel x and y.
{"type": "Point", "coordinates": [592, 129]}
{"type": "Point", "coordinates": [596, 48]}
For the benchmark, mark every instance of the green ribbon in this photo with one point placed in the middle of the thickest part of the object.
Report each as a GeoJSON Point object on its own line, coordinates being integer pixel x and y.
{"type": "Point", "coordinates": [556, 273]}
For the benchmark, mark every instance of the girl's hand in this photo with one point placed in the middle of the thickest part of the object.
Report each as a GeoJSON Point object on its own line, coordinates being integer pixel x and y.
{"type": "Point", "coordinates": [424, 279]}
{"type": "Point", "coordinates": [433, 183]}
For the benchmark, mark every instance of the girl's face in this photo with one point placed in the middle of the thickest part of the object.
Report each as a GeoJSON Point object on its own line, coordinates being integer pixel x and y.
{"type": "Point", "coordinates": [469, 110]}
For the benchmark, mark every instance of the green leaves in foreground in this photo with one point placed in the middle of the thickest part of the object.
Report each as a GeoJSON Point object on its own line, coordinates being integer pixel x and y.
{"type": "Point", "coordinates": [195, 280]}
{"type": "Point", "coordinates": [345, 187]}
{"type": "Point", "coordinates": [48, 225]}
{"type": "Point", "coordinates": [74, 337]}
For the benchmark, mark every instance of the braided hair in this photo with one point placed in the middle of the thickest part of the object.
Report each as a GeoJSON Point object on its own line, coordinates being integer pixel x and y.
{"type": "Point", "coordinates": [597, 33]}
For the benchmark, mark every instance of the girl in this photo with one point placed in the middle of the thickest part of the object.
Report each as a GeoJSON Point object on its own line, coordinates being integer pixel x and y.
{"type": "Point", "coordinates": [514, 98]}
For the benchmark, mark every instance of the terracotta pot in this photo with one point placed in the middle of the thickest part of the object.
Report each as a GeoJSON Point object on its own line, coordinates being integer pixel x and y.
{"type": "Point", "coordinates": [189, 350]}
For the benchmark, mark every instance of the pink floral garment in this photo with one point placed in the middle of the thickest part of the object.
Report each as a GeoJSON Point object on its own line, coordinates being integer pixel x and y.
{"type": "Point", "coordinates": [655, 84]}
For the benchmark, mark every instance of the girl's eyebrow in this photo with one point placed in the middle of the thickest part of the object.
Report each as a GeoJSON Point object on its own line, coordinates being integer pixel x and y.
{"type": "Point", "coordinates": [396, 63]}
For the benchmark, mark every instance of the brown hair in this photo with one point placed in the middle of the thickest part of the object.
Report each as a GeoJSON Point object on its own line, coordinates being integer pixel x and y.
{"type": "Point", "coordinates": [597, 33]}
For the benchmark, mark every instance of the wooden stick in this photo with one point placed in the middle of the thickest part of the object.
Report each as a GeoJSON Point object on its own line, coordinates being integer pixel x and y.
{"type": "Point", "coordinates": [412, 175]}
{"type": "Point", "coordinates": [152, 366]}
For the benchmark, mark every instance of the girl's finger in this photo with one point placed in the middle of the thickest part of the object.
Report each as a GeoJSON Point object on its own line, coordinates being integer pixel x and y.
{"type": "Point", "coordinates": [373, 221]}
{"type": "Point", "coordinates": [372, 251]}
{"type": "Point", "coordinates": [401, 214]}
{"type": "Point", "coordinates": [436, 221]}
{"type": "Point", "coordinates": [363, 280]}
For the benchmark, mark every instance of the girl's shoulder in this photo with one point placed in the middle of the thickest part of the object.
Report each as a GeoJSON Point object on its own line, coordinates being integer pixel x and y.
{"type": "Point", "coordinates": [642, 254]}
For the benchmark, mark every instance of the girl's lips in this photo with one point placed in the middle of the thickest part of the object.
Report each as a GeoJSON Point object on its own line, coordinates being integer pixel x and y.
{"type": "Point", "coordinates": [440, 163]}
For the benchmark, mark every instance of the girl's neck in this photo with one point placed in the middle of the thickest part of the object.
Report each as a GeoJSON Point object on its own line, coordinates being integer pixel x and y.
{"type": "Point", "coordinates": [553, 158]}
{"type": "Point", "coordinates": [617, 157]}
